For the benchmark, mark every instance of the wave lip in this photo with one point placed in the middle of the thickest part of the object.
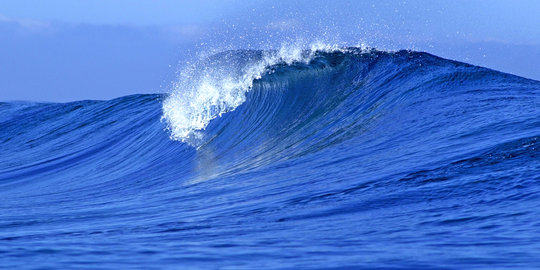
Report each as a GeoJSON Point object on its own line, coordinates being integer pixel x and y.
{"type": "Point", "coordinates": [218, 84]}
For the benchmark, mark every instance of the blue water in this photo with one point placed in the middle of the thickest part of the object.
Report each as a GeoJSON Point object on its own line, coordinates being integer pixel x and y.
{"type": "Point", "coordinates": [350, 159]}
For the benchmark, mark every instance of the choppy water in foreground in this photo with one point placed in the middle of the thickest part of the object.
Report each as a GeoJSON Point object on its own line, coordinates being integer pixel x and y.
{"type": "Point", "coordinates": [343, 159]}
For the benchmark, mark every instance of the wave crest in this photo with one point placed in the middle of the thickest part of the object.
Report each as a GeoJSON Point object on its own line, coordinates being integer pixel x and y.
{"type": "Point", "coordinates": [218, 84]}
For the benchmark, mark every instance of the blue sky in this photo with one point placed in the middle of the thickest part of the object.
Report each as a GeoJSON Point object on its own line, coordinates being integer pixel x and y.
{"type": "Point", "coordinates": [63, 50]}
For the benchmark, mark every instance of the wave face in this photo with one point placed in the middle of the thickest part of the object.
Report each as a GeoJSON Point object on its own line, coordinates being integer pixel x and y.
{"type": "Point", "coordinates": [322, 158]}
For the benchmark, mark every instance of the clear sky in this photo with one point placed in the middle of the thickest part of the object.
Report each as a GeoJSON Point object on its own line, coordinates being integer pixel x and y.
{"type": "Point", "coordinates": [63, 50]}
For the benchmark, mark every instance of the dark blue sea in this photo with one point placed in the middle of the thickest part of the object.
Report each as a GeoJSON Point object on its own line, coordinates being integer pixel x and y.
{"type": "Point", "coordinates": [314, 159]}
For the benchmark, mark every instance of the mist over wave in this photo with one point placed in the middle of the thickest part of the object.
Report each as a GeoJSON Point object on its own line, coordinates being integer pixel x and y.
{"type": "Point", "coordinates": [299, 157]}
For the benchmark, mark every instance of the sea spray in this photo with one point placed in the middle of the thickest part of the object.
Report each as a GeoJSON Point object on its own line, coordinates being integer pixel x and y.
{"type": "Point", "coordinates": [209, 88]}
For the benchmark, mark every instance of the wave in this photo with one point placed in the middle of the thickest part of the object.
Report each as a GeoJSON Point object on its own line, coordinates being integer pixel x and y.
{"type": "Point", "coordinates": [258, 158]}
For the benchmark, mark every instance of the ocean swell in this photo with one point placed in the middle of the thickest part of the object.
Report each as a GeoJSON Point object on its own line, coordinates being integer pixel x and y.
{"type": "Point", "coordinates": [293, 158]}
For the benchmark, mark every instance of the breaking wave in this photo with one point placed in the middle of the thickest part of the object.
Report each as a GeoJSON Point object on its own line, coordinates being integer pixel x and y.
{"type": "Point", "coordinates": [320, 156]}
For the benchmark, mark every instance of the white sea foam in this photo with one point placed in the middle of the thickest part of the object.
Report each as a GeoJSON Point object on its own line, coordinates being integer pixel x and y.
{"type": "Point", "coordinates": [210, 88]}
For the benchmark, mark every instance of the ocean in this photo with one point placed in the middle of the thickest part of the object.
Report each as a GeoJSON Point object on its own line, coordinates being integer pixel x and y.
{"type": "Point", "coordinates": [322, 158]}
